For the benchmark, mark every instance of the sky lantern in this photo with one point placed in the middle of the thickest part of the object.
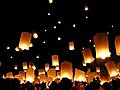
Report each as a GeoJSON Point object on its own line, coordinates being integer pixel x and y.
{"type": "Point", "coordinates": [71, 45]}
{"type": "Point", "coordinates": [86, 8]}
{"type": "Point", "coordinates": [83, 63]}
{"type": "Point", "coordinates": [55, 60]}
{"type": "Point", "coordinates": [80, 75]}
{"type": "Point", "coordinates": [97, 69]}
{"type": "Point", "coordinates": [47, 67]}
{"type": "Point", "coordinates": [56, 67]}
{"type": "Point", "coordinates": [30, 74]}
{"type": "Point", "coordinates": [50, 1]}
{"type": "Point", "coordinates": [111, 68]}
{"type": "Point", "coordinates": [66, 70]}
{"type": "Point", "coordinates": [41, 71]}
{"type": "Point", "coordinates": [15, 67]}
{"type": "Point", "coordinates": [101, 46]}
{"type": "Point", "coordinates": [25, 40]}
{"type": "Point", "coordinates": [87, 54]}
{"type": "Point", "coordinates": [117, 45]}
{"type": "Point", "coordinates": [42, 78]}
{"type": "Point", "coordinates": [25, 65]}
{"type": "Point", "coordinates": [9, 75]}
{"type": "Point", "coordinates": [51, 73]}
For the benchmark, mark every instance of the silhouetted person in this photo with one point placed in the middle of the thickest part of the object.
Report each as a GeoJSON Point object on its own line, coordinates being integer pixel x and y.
{"type": "Point", "coordinates": [54, 86]}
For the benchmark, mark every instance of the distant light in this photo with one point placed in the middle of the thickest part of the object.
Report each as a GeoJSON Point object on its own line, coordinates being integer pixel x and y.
{"type": "Point", "coordinates": [43, 41]}
{"type": "Point", "coordinates": [50, 1]}
{"type": "Point", "coordinates": [86, 17]}
{"type": "Point", "coordinates": [89, 40]}
{"type": "Point", "coordinates": [59, 38]}
{"type": "Point", "coordinates": [37, 56]}
{"type": "Point", "coordinates": [74, 25]}
{"type": "Point", "coordinates": [112, 26]}
{"type": "Point", "coordinates": [59, 22]}
{"type": "Point", "coordinates": [31, 45]}
{"type": "Point", "coordinates": [48, 14]}
{"type": "Point", "coordinates": [83, 48]}
{"type": "Point", "coordinates": [11, 56]}
{"type": "Point", "coordinates": [17, 49]}
{"type": "Point", "coordinates": [107, 32]}
{"type": "Point", "coordinates": [54, 27]}
{"type": "Point", "coordinates": [86, 8]}
{"type": "Point", "coordinates": [8, 47]}
{"type": "Point", "coordinates": [93, 45]}
{"type": "Point", "coordinates": [45, 30]}
{"type": "Point", "coordinates": [35, 35]}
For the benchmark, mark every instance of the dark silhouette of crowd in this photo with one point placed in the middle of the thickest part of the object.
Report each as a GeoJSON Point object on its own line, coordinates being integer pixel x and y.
{"type": "Point", "coordinates": [64, 84]}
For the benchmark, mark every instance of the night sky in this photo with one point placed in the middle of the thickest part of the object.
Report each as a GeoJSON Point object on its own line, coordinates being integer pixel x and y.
{"type": "Point", "coordinates": [67, 20]}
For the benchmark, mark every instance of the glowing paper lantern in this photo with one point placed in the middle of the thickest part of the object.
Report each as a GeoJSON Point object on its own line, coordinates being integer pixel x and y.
{"type": "Point", "coordinates": [9, 75]}
{"type": "Point", "coordinates": [71, 46]}
{"type": "Point", "coordinates": [111, 68]}
{"type": "Point", "coordinates": [30, 74]}
{"type": "Point", "coordinates": [79, 75]}
{"type": "Point", "coordinates": [35, 35]}
{"type": "Point", "coordinates": [31, 64]}
{"type": "Point", "coordinates": [50, 1]}
{"type": "Point", "coordinates": [41, 71]}
{"type": "Point", "coordinates": [25, 40]}
{"type": "Point", "coordinates": [86, 8]}
{"type": "Point", "coordinates": [15, 67]}
{"type": "Point", "coordinates": [23, 74]}
{"type": "Point", "coordinates": [101, 46]}
{"type": "Point", "coordinates": [46, 67]}
{"type": "Point", "coordinates": [42, 78]}
{"type": "Point", "coordinates": [25, 65]}
{"type": "Point", "coordinates": [56, 67]}
{"type": "Point", "coordinates": [87, 54]}
{"type": "Point", "coordinates": [83, 63]}
{"type": "Point", "coordinates": [66, 70]}
{"type": "Point", "coordinates": [51, 73]}
{"type": "Point", "coordinates": [55, 60]}
{"type": "Point", "coordinates": [117, 45]}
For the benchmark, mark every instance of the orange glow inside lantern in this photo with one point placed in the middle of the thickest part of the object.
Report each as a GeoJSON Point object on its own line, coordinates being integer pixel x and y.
{"type": "Point", "coordinates": [46, 67]}
{"type": "Point", "coordinates": [86, 8]}
{"type": "Point", "coordinates": [30, 74]}
{"type": "Point", "coordinates": [51, 73]}
{"type": "Point", "coordinates": [25, 40]}
{"type": "Point", "coordinates": [41, 71]}
{"type": "Point", "coordinates": [98, 69]}
{"type": "Point", "coordinates": [111, 68]}
{"type": "Point", "coordinates": [55, 60]}
{"type": "Point", "coordinates": [66, 70]}
{"type": "Point", "coordinates": [117, 45]}
{"type": "Point", "coordinates": [25, 65]}
{"type": "Point", "coordinates": [87, 54]}
{"type": "Point", "coordinates": [15, 67]}
{"type": "Point", "coordinates": [80, 75]}
{"type": "Point", "coordinates": [71, 46]}
{"type": "Point", "coordinates": [9, 75]}
{"type": "Point", "coordinates": [101, 45]}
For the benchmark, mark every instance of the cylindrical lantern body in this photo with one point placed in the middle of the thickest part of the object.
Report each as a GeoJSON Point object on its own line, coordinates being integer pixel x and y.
{"type": "Point", "coordinates": [87, 54]}
{"type": "Point", "coordinates": [30, 74]}
{"type": "Point", "coordinates": [55, 60]}
{"type": "Point", "coordinates": [25, 40]}
{"type": "Point", "coordinates": [71, 46]}
{"type": "Point", "coordinates": [9, 75]}
{"type": "Point", "coordinates": [47, 67]}
{"type": "Point", "coordinates": [66, 70]}
{"type": "Point", "coordinates": [79, 75]}
{"type": "Point", "coordinates": [51, 73]}
{"type": "Point", "coordinates": [111, 68]}
{"type": "Point", "coordinates": [41, 71]}
{"type": "Point", "coordinates": [42, 78]}
{"type": "Point", "coordinates": [25, 65]}
{"type": "Point", "coordinates": [101, 46]}
{"type": "Point", "coordinates": [117, 45]}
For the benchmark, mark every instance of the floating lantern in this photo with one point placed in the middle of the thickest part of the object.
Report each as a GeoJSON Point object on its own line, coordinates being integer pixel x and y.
{"type": "Point", "coordinates": [56, 67]}
{"type": "Point", "coordinates": [117, 45]}
{"type": "Point", "coordinates": [111, 68]}
{"type": "Point", "coordinates": [71, 46]}
{"type": "Point", "coordinates": [51, 73]}
{"type": "Point", "coordinates": [30, 74]}
{"type": "Point", "coordinates": [79, 75]}
{"type": "Point", "coordinates": [66, 70]}
{"type": "Point", "coordinates": [15, 67]}
{"type": "Point", "coordinates": [87, 54]}
{"type": "Point", "coordinates": [83, 63]}
{"type": "Point", "coordinates": [50, 1]}
{"type": "Point", "coordinates": [86, 8]}
{"type": "Point", "coordinates": [35, 35]}
{"type": "Point", "coordinates": [46, 67]}
{"type": "Point", "coordinates": [97, 69]}
{"type": "Point", "coordinates": [25, 65]}
{"type": "Point", "coordinates": [25, 40]}
{"type": "Point", "coordinates": [9, 75]}
{"type": "Point", "coordinates": [41, 71]}
{"type": "Point", "coordinates": [55, 60]}
{"type": "Point", "coordinates": [101, 46]}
